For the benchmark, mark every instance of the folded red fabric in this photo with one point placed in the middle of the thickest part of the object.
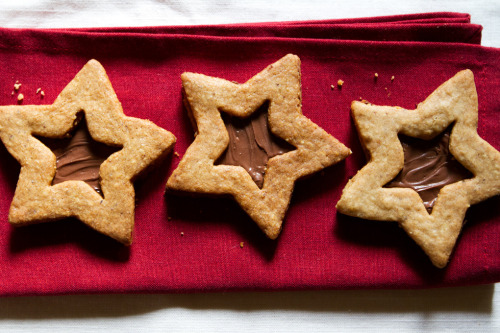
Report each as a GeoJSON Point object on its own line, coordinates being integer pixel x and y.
{"type": "Point", "coordinates": [437, 27]}
{"type": "Point", "coordinates": [318, 247]}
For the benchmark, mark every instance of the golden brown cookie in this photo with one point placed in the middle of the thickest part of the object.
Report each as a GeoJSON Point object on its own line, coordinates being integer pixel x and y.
{"type": "Point", "coordinates": [215, 163]}
{"type": "Point", "coordinates": [107, 205]}
{"type": "Point", "coordinates": [374, 193]}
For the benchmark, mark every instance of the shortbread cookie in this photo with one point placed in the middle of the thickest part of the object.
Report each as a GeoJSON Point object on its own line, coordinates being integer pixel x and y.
{"type": "Point", "coordinates": [253, 156]}
{"type": "Point", "coordinates": [378, 191]}
{"type": "Point", "coordinates": [80, 178]}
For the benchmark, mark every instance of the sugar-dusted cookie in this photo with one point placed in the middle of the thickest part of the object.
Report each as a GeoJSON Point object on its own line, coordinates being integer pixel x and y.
{"type": "Point", "coordinates": [420, 185]}
{"type": "Point", "coordinates": [252, 141]}
{"type": "Point", "coordinates": [96, 153]}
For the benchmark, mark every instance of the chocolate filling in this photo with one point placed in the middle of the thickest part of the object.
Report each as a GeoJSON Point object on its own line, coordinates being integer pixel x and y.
{"type": "Point", "coordinates": [251, 143]}
{"type": "Point", "coordinates": [428, 167]}
{"type": "Point", "coordinates": [79, 157]}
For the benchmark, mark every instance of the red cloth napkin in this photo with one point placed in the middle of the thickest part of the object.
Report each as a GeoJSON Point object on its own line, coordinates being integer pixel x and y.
{"type": "Point", "coordinates": [318, 247]}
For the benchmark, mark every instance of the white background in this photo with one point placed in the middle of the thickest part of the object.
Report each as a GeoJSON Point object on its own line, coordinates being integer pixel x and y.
{"type": "Point", "coordinates": [466, 309]}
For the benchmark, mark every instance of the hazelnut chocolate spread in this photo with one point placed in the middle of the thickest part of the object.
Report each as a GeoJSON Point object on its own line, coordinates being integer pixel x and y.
{"type": "Point", "coordinates": [251, 144]}
{"type": "Point", "coordinates": [79, 157]}
{"type": "Point", "coordinates": [428, 167]}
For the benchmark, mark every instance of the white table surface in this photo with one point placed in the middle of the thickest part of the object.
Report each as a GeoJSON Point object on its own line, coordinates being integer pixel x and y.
{"type": "Point", "coordinates": [465, 309]}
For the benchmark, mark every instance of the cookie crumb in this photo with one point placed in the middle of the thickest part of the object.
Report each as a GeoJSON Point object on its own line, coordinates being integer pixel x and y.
{"type": "Point", "coordinates": [38, 90]}
{"type": "Point", "coordinates": [375, 76]}
{"type": "Point", "coordinates": [392, 78]}
{"type": "Point", "coordinates": [42, 93]}
{"type": "Point", "coordinates": [17, 85]}
{"type": "Point", "coordinates": [20, 98]}
{"type": "Point", "coordinates": [340, 83]}
{"type": "Point", "coordinates": [176, 154]}
{"type": "Point", "coordinates": [169, 218]}
{"type": "Point", "coordinates": [242, 244]}
{"type": "Point", "coordinates": [360, 99]}
{"type": "Point", "coordinates": [182, 233]}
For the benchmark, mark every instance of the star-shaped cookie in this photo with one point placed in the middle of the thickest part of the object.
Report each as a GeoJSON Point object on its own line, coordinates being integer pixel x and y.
{"type": "Point", "coordinates": [280, 86]}
{"type": "Point", "coordinates": [139, 143]}
{"type": "Point", "coordinates": [454, 103]}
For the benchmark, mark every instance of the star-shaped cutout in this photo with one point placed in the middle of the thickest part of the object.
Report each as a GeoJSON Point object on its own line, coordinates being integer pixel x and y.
{"type": "Point", "coordinates": [279, 85]}
{"type": "Point", "coordinates": [37, 200]}
{"type": "Point", "coordinates": [454, 102]}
